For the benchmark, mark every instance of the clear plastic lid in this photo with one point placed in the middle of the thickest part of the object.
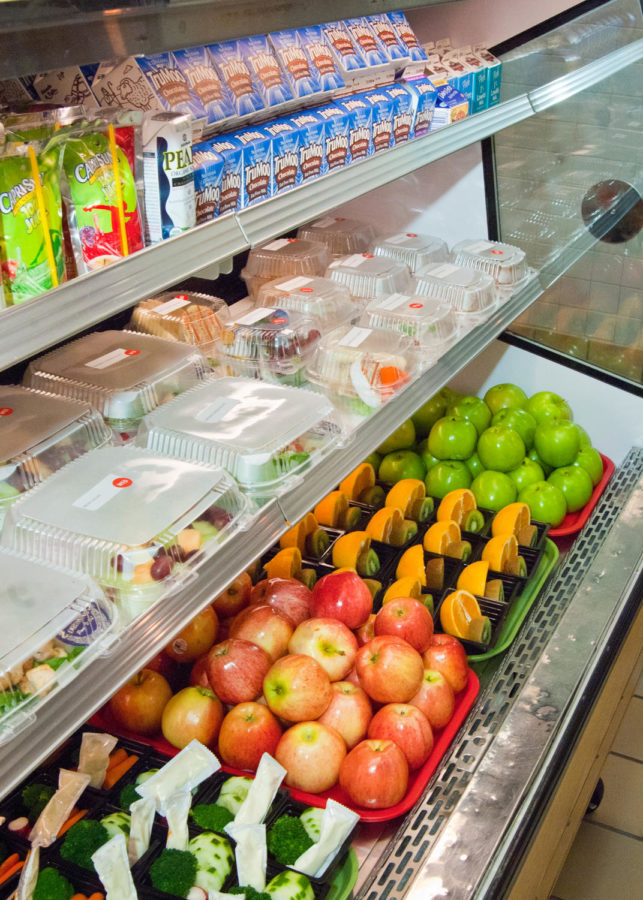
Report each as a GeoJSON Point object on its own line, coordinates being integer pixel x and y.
{"type": "Point", "coordinates": [132, 519]}
{"type": "Point", "coordinates": [326, 301]}
{"type": "Point", "coordinates": [431, 323]}
{"type": "Point", "coordinates": [261, 433]}
{"type": "Point", "coordinates": [123, 374]}
{"type": "Point", "coordinates": [341, 236]}
{"type": "Point", "coordinates": [53, 624]}
{"type": "Point", "coordinates": [188, 317]}
{"type": "Point", "coordinates": [40, 433]}
{"type": "Point", "coordinates": [505, 263]}
{"type": "Point", "coordinates": [269, 343]}
{"type": "Point", "coordinates": [416, 250]}
{"type": "Point", "coordinates": [285, 256]}
{"type": "Point", "coordinates": [469, 292]}
{"type": "Point", "coordinates": [367, 275]}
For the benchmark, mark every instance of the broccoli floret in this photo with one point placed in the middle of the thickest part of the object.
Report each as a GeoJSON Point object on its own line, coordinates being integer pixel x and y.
{"type": "Point", "coordinates": [51, 885]}
{"type": "Point", "coordinates": [174, 871]}
{"type": "Point", "coordinates": [211, 816]}
{"type": "Point", "coordinates": [127, 796]}
{"type": "Point", "coordinates": [288, 839]}
{"type": "Point", "coordinates": [250, 893]}
{"type": "Point", "coordinates": [35, 797]}
{"type": "Point", "coordinates": [82, 840]}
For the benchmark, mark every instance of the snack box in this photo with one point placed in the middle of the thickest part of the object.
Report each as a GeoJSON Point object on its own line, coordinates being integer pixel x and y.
{"type": "Point", "coordinates": [396, 51]}
{"type": "Point", "coordinates": [341, 236]}
{"type": "Point", "coordinates": [366, 275]}
{"type": "Point", "coordinates": [312, 160]}
{"type": "Point", "coordinates": [256, 166]}
{"type": "Point", "coordinates": [296, 64]}
{"type": "Point", "coordinates": [121, 373]}
{"type": "Point", "coordinates": [169, 85]}
{"type": "Point", "coordinates": [284, 256]}
{"type": "Point", "coordinates": [451, 106]}
{"type": "Point", "coordinates": [348, 57]}
{"type": "Point", "coordinates": [469, 292]}
{"type": "Point", "coordinates": [383, 112]}
{"type": "Point", "coordinates": [506, 264]}
{"type": "Point", "coordinates": [136, 522]}
{"type": "Point", "coordinates": [416, 250]}
{"type": "Point", "coordinates": [53, 624]}
{"type": "Point", "coordinates": [403, 113]}
{"type": "Point", "coordinates": [263, 434]}
{"type": "Point", "coordinates": [208, 178]}
{"type": "Point", "coordinates": [431, 323]}
{"type": "Point", "coordinates": [337, 151]}
{"type": "Point", "coordinates": [286, 169]}
{"type": "Point", "coordinates": [238, 76]}
{"type": "Point", "coordinates": [327, 302]}
{"type": "Point", "coordinates": [406, 35]}
{"type": "Point", "coordinates": [205, 83]}
{"type": "Point", "coordinates": [273, 86]}
{"type": "Point", "coordinates": [313, 40]}
{"type": "Point", "coordinates": [425, 97]}
{"type": "Point", "coordinates": [40, 433]}
{"type": "Point", "coordinates": [360, 129]}
{"type": "Point", "coordinates": [494, 80]}
{"type": "Point", "coordinates": [366, 39]}
{"type": "Point", "coordinates": [231, 149]}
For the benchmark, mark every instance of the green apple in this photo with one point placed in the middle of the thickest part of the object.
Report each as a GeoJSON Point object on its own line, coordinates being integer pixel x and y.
{"type": "Point", "coordinates": [548, 405]}
{"type": "Point", "coordinates": [520, 420]}
{"type": "Point", "coordinates": [474, 409]}
{"type": "Point", "coordinates": [533, 455]}
{"type": "Point", "coordinates": [428, 459]}
{"type": "Point", "coordinates": [447, 475]}
{"type": "Point", "coordinates": [557, 442]}
{"type": "Point", "coordinates": [452, 437]}
{"type": "Point", "coordinates": [401, 439]}
{"type": "Point", "coordinates": [546, 502]}
{"type": "Point", "coordinates": [429, 413]}
{"type": "Point", "coordinates": [585, 439]}
{"type": "Point", "coordinates": [474, 465]}
{"type": "Point", "coordinates": [401, 464]}
{"type": "Point", "coordinates": [374, 459]}
{"type": "Point", "coordinates": [501, 448]}
{"type": "Point", "coordinates": [590, 460]}
{"type": "Point", "coordinates": [576, 485]}
{"type": "Point", "coordinates": [501, 396]}
{"type": "Point", "coordinates": [528, 472]}
{"type": "Point", "coordinates": [493, 490]}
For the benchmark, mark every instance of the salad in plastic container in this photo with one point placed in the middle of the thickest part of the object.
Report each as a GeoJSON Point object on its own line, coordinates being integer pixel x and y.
{"type": "Point", "coordinates": [53, 623]}
{"type": "Point", "coordinates": [341, 236]}
{"type": "Point", "coordinates": [40, 433]}
{"type": "Point", "coordinates": [269, 343]}
{"type": "Point", "coordinates": [506, 264]}
{"type": "Point", "coordinates": [469, 292]}
{"type": "Point", "coordinates": [367, 275]}
{"type": "Point", "coordinates": [136, 522]}
{"type": "Point", "coordinates": [285, 256]}
{"type": "Point", "coordinates": [416, 250]}
{"type": "Point", "coordinates": [263, 434]}
{"type": "Point", "coordinates": [431, 323]}
{"type": "Point", "coordinates": [322, 299]}
{"type": "Point", "coordinates": [123, 374]}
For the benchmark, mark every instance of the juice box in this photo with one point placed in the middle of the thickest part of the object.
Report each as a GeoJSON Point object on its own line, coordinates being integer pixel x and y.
{"type": "Point", "coordinates": [450, 107]}
{"type": "Point", "coordinates": [286, 170]}
{"type": "Point", "coordinates": [312, 159]}
{"type": "Point", "coordinates": [231, 150]}
{"type": "Point", "coordinates": [301, 74]}
{"type": "Point", "coordinates": [256, 182]}
{"type": "Point", "coordinates": [208, 177]}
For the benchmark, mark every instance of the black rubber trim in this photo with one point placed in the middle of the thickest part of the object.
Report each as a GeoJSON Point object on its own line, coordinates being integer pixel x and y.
{"type": "Point", "coordinates": [490, 188]}
{"type": "Point", "coordinates": [562, 18]}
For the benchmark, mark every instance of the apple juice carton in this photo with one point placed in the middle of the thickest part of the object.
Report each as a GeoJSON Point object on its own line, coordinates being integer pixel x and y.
{"type": "Point", "coordinates": [425, 97]}
{"type": "Point", "coordinates": [348, 57]}
{"type": "Point", "coordinates": [321, 56]}
{"type": "Point", "coordinates": [239, 79]}
{"type": "Point", "coordinates": [312, 159]}
{"type": "Point", "coordinates": [406, 36]}
{"type": "Point", "coordinates": [301, 74]}
{"type": "Point", "coordinates": [205, 83]}
{"type": "Point", "coordinates": [382, 122]}
{"type": "Point", "coordinates": [360, 130]}
{"type": "Point", "coordinates": [231, 150]}
{"type": "Point", "coordinates": [286, 171]}
{"type": "Point", "coordinates": [336, 136]}
{"type": "Point", "coordinates": [168, 175]}
{"type": "Point", "coordinates": [208, 177]}
{"type": "Point", "coordinates": [451, 106]}
{"type": "Point", "coordinates": [403, 113]}
{"type": "Point", "coordinates": [256, 172]}
{"type": "Point", "coordinates": [494, 66]}
{"type": "Point", "coordinates": [270, 80]}
{"type": "Point", "coordinates": [396, 51]}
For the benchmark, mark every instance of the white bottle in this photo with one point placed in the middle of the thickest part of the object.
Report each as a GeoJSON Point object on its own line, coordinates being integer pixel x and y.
{"type": "Point", "coordinates": [168, 175]}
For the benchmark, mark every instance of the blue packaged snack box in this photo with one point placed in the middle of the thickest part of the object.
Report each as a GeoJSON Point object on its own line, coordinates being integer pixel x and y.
{"type": "Point", "coordinates": [170, 84]}
{"type": "Point", "coordinates": [336, 136]}
{"type": "Point", "coordinates": [208, 177]}
{"type": "Point", "coordinates": [269, 78]}
{"type": "Point", "coordinates": [425, 97]}
{"type": "Point", "coordinates": [240, 80]}
{"type": "Point", "coordinates": [451, 106]}
{"type": "Point", "coordinates": [231, 150]}
{"type": "Point", "coordinates": [406, 36]}
{"type": "Point", "coordinates": [312, 159]}
{"type": "Point", "coordinates": [346, 52]}
{"type": "Point", "coordinates": [382, 122]}
{"type": "Point", "coordinates": [257, 179]}
{"type": "Point", "coordinates": [395, 50]}
{"type": "Point", "coordinates": [205, 82]}
{"type": "Point", "coordinates": [321, 57]}
{"type": "Point", "coordinates": [368, 42]}
{"type": "Point", "coordinates": [360, 129]}
{"type": "Point", "coordinates": [286, 171]}
{"type": "Point", "coordinates": [402, 113]}
{"type": "Point", "coordinates": [295, 63]}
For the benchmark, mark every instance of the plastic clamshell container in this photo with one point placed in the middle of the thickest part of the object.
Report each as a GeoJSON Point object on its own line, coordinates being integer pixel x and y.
{"type": "Point", "coordinates": [322, 299]}
{"type": "Point", "coordinates": [505, 263]}
{"type": "Point", "coordinates": [431, 323]}
{"type": "Point", "coordinates": [122, 373]}
{"type": "Point", "coordinates": [40, 433]}
{"type": "Point", "coordinates": [53, 623]}
{"type": "Point", "coordinates": [469, 292]}
{"type": "Point", "coordinates": [263, 434]}
{"type": "Point", "coordinates": [284, 256]}
{"type": "Point", "coordinates": [137, 522]}
{"type": "Point", "coordinates": [416, 250]}
{"type": "Point", "coordinates": [341, 236]}
{"type": "Point", "coordinates": [188, 317]}
{"type": "Point", "coordinates": [271, 344]}
{"type": "Point", "coordinates": [366, 275]}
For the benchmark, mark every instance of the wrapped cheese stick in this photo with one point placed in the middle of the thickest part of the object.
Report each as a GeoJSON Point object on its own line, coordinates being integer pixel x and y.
{"type": "Point", "coordinates": [94, 756]}
{"type": "Point", "coordinates": [56, 812]}
{"type": "Point", "coordinates": [29, 875]}
{"type": "Point", "coordinates": [336, 824]}
{"type": "Point", "coordinates": [262, 792]}
{"type": "Point", "coordinates": [177, 811]}
{"type": "Point", "coordinates": [141, 821]}
{"type": "Point", "coordinates": [112, 867]}
{"type": "Point", "coordinates": [184, 772]}
{"type": "Point", "coordinates": [251, 854]}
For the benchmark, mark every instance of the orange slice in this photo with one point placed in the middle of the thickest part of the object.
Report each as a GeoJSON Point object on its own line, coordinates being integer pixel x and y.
{"type": "Point", "coordinates": [360, 479]}
{"type": "Point", "coordinates": [331, 511]}
{"type": "Point", "coordinates": [285, 564]}
{"type": "Point", "coordinates": [440, 535]}
{"type": "Point", "coordinates": [403, 587]}
{"type": "Point", "coordinates": [458, 612]}
{"type": "Point", "coordinates": [473, 577]}
{"type": "Point", "coordinates": [511, 519]}
{"type": "Point", "coordinates": [455, 505]}
{"type": "Point", "coordinates": [354, 550]}
{"type": "Point", "coordinates": [501, 552]}
{"type": "Point", "coordinates": [411, 564]}
{"type": "Point", "coordinates": [294, 537]}
{"type": "Point", "coordinates": [383, 522]}
{"type": "Point", "coordinates": [409, 495]}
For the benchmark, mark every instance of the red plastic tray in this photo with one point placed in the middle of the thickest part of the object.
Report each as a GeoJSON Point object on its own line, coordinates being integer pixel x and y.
{"type": "Point", "coordinates": [418, 780]}
{"type": "Point", "coordinates": [573, 522]}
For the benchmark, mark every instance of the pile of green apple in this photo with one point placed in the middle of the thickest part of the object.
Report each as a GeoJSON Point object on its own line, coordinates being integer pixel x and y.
{"type": "Point", "coordinates": [504, 447]}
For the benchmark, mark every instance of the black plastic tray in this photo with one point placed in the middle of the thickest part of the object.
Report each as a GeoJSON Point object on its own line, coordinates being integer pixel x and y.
{"type": "Point", "coordinates": [495, 610]}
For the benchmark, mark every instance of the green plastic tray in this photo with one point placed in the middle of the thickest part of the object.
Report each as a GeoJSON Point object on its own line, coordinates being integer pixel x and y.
{"type": "Point", "coordinates": [344, 882]}
{"type": "Point", "coordinates": [521, 606]}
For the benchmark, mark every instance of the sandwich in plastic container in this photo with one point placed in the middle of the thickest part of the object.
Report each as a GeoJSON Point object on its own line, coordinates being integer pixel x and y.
{"type": "Point", "coordinates": [284, 256]}
{"type": "Point", "coordinates": [506, 264]}
{"type": "Point", "coordinates": [416, 250]}
{"type": "Point", "coordinates": [341, 236]}
{"type": "Point", "coordinates": [470, 293]}
{"type": "Point", "coordinates": [327, 302]}
{"type": "Point", "coordinates": [367, 275]}
{"type": "Point", "coordinates": [429, 322]}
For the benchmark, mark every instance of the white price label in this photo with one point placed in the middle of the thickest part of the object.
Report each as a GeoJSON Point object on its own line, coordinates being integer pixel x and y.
{"type": "Point", "coordinates": [261, 312]}
{"type": "Point", "coordinates": [357, 259]}
{"type": "Point", "coordinates": [393, 301]}
{"type": "Point", "coordinates": [400, 238]}
{"type": "Point", "coordinates": [479, 247]}
{"type": "Point", "coordinates": [106, 489]}
{"type": "Point", "coordinates": [294, 284]}
{"type": "Point", "coordinates": [355, 337]}
{"type": "Point", "coordinates": [442, 271]}
{"type": "Point", "coordinates": [170, 306]}
{"type": "Point", "coordinates": [215, 412]}
{"type": "Point", "coordinates": [325, 222]}
{"type": "Point", "coordinates": [278, 244]}
{"type": "Point", "coordinates": [111, 358]}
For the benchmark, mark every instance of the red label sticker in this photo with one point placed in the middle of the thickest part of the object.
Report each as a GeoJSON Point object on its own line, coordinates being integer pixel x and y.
{"type": "Point", "coordinates": [132, 352]}
{"type": "Point", "coordinates": [411, 234]}
{"type": "Point", "coordinates": [5, 410]}
{"type": "Point", "coordinates": [122, 482]}
{"type": "Point", "coordinates": [292, 240]}
{"type": "Point", "coordinates": [279, 321]}
{"type": "Point", "coordinates": [498, 252]}
{"type": "Point", "coordinates": [368, 255]}
{"type": "Point", "coordinates": [416, 305]}
{"type": "Point", "coordinates": [306, 290]}
{"type": "Point", "coordinates": [181, 297]}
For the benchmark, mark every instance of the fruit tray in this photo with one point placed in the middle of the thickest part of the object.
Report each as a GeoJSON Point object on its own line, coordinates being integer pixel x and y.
{"type": "Point", "coordinates": [495, 610]}
{"type": "Point", "coordinates": [573, 522]}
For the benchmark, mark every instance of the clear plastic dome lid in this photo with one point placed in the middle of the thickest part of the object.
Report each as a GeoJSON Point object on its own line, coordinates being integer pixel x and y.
{"type": "Point", "coordinates": [322, 299]}
{"type": "Point", "coordinates": [470, 292]}
{"type": "Point", "coordinates": [187, 316]}
{"type": "Point", "coordinates": [367, 275]}
{"type": "Point", "coordinates": [341, 236]}
{"type": "Point", "coordinates": [431, 323]}
{"type": "Point", "coordinates": [505, 263]}
{"type": "Point", "coordinates": [416, 250]}
{"type": "Point", "coordinates": [284, 256]}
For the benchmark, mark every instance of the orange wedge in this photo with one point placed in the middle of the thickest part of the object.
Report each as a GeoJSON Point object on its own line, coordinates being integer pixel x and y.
{"type": "Point", "coordinates": [409, 495]}
{"type": "Point", "coordinates": [501, 552]}
{"type": "Point", "coordinates": [411, 564]}
{"type": "Point", "coordinates": [460, 506]}
{"type": "Point", "coordinates": [445, 538]}
{"type": "Point", "coordinates": [389, 525]}
{"type": "Point", "coordinates": [461, 616]}
{"type": "Point", "coordinates": [354, 550]}
{"type": "Point", "coordinates": [403, 587]}
{"type": "Point", "coordinates": [331, 511]}
{"type": "Point", "coordinates": [307, 536]}
{"type": "Point", "coordinates": [285, 564]}
{"type": "Point", "coordinates": [515, 519]}
{"type": "Point", "coordinates": [360, 480]}
{"type": "Point", "coordinates": [473, 577]}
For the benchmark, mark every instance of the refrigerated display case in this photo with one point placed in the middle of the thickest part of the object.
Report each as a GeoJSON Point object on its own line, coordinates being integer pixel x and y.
{"type": "Point", "coordinates": [490, 821]}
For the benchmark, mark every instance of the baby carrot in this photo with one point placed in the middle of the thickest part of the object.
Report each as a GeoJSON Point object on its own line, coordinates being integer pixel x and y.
{"type": "Point", "coordinates": [12, 871]}
{"type": "Point", "coordinates": [118, 771]}
{"type": "Point", "coordinates": [76, 817]}
{"type": "Point", "coordinates": [9, 862]}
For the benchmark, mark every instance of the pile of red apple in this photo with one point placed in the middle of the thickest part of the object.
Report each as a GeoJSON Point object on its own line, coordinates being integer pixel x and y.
{"type": "Point", "coordinates": [336, 693]}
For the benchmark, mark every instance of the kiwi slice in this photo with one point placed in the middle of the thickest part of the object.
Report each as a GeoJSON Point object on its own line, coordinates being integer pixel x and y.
{"type": "Point", "coordinates": [435, 574]}
{"type": "Point", "coordinates": [517, 567]}
{"type": "Point", "coordinates": [474, 521]}
{"type": "Point", "coordinates": [528, 536]}
{"type": "Point", "coordinates": [495, 590]}
{"type": "Point", "coordinates": [317, 542]}
{"type": "Point", "coordinates": [308, 577]}
{"type": "Point", "coordinates": [373, 496]}
{"type": "Point", "coordinates": [421, 509]}
{"type": "Point", "coordinates": [373, 585]}
{"type": "Point", "coordinates": [352, 518]}
{"type": "Point", "coordinates": [459, 550]}
{"type": "Point", "coordinates": [480, 630]}
{"type": "Point", "coordinates": [368, 563]}
{"type": "Point", "coordinates": [427, 600]}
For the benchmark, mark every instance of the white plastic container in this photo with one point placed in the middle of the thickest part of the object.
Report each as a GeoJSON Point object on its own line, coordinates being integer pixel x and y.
{"type": "Point", "coordinates": [265, 435]}
{"type": "Point", "coordinates": [470, 292]}
{"type": "Point", "coordinates": [416, 250]}
{"type": "Point", "coordinates": [284, 256]}
{"type": "Point", "coordinates": [136, 522]}
{"type": "Point", "coordinates": [341, 236]}
{"type": "Point", "coordinates": [53, 624]}
{"type": "Point", "coordinates": [429, 322]}
{"type": "Point", "coordinates": [40, 433]}
{"type": "Point", "coordinates": [327, 302]}
{"type": "Point", "coordinates": [506, 264]}
{"type": "Point", "coordinates": [366, 275]}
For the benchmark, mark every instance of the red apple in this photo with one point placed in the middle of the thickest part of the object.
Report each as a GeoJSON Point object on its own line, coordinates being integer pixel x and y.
{"type": "Point", "coordinates": [196, 638]}
{"type": "Point", "coordinates": [235, 597]}
{"type": "Point", "coordinates": [407, 618]}
{"type": "Point", "coordinates": [435, 698]}
{"type": "Point", "coordinates": [224, 629]}
{"type": "Point", "coordinates": [247, 732]}
{"type": "Point", "coordinates": [297, 688]}
{"type": "Point", "coordinates": [328, 641]}
{"type": "Point", "coordinates": [408, 727]}
{"type": "Point", "coordinates": [287, 595]}
{"type": "Point", "coordinates": [375, 774]}
{"type": "Point", "coordinates": [199, 672]}
{"type": "Point", "coordinates": [349, 712]}
{"type": "Point", "coordinates": [236, 670]}
{"type": "Point", "coordinates": [353, 677]}
{"type": "Point", "coordinates": [389, 669]}
{"type": "Point", "coordinates": [195, 713]}
{"type": "Point", "coordinates": [138, 706]}
{"type": "Point", "coordinates": [263, 625]}
{"type": "Point", "coordinates": [343, 596]}
{"type": "Point", "coordinates": [446, 654]}
{"type": "Point", "coordinates": [366, 632]}
{"type": "Point", "coordinates": [312, 754]}
{"type": "Point", "coordinates": [168, 668]}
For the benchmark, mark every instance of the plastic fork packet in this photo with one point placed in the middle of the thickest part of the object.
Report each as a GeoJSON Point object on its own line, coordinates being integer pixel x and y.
{"type": "Point", "coordinates": [70, 786]}
{"type": "Point", "coordinates": [251, 854]}
{"type": "Point", "coordinates": [231, 150]}
{"type": "Point", "coordinates": [205, 83]}
{"type": "Point", "coordinates": [286, 170]}
{"type": "Point", "coordinates": [273, 87]}
{"type": "Point", "coordinates": [313, 40]}
{"type": "Point", "coordinates": [337, 822]}
{"type": "Point", "coordinates": [425, 97]}
{"type": "Point", "coordinates": [261, 793]}
{"type": "Point", "coordinates": [142, 814]}
{"type": "Point", "coordinates": [360, 128]}
{"type": "Point", "coordinates": [382, 121]}
{"type": "Point", "coordinates": [257, 182]}
{"type": "Point", "coordinates": [94, 756]}
{"type": "Point", "coordinates": [336, 136]}
{"type": "Point", "coordinates": [112, 866]}
{"type": "Point", "coordinates": [208, 178]}
{"type": "Point", "coordinates": [312, 160]}
{"type": "Point", "coordinates": [240, 80]}
{"type": "Point", "coordinates": [395, 49]}
{"type": "Point", "coordinates": [176, 813]}
{"type": "Point", "coordinates": [185, 771]}
{"type": "Point", "coordinates": [301, 74]}
{"type": "Point", "coordinates": [406, 35]}
{"type": "Point", "coordinates": [168, 174]}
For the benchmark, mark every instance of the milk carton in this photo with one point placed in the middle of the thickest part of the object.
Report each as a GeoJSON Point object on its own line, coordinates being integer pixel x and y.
{"type": "Point", "coordinates": [396, 51]}
{"type": "Point", "coordinates": [205, 83]}
{"type": "Point", "coordinates": [403, 112]}
{"type": "Point", "coordinates": [168, 175]}
{"type": "Point", "coordinates": [16, 91]}
{"type": "Point", "coordinates": [406, 36]}
{"type": "Point", "coordinates": [479, 78]}
{"type": "Point", "coordinates": [231, 182]}
{"type": "Point", "coordinates": [360, 129]}
{"type": "Point", "coordinates": [312, 159]}
{"type": "Point", "coordinates": [459, 75]}
{"type": "Point", "coordinates": [495, 74]}
{"type": "Point", "coordinates": [382, 122]}
{"type": "Point", "coordinates": [347, 55]}
{"type": "Point", "coordinates": [368, 42]}
{"type": "Point", "coordinates": [312, 39]}
{"type": "Point", "coordinates": [125, 86]}
{"type": "Point", "coordinates": [286, 171]}
{"type": "Point", "coordinates": [170, 83]}
{"type": "Point", "coordinates": [240, 80]}
{"type": "Point", "coordinates": [301, 74]}
{"type": "Point", "coordinates": [208, 177]}
{"type": "Point", "coordinates": [425, 97]}
{"type": "Point", "coordinates": [70, 86]}
{"type": "Point", "coordinates": [257, 177]}
{"type": "Point", "coordinates": [269, 78]}
{"type": "Point", "coordinates": [336, 136]}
